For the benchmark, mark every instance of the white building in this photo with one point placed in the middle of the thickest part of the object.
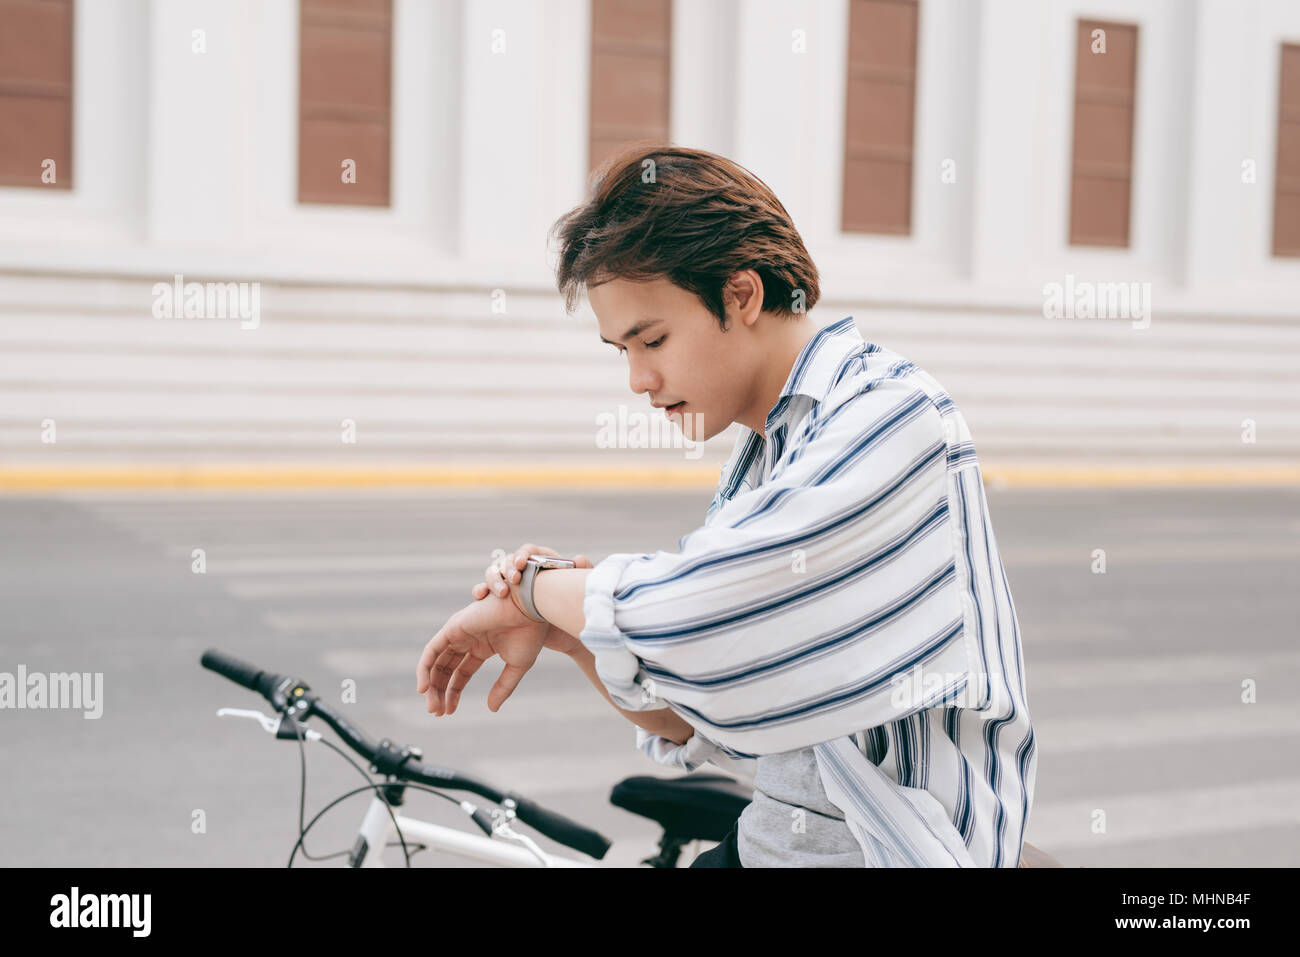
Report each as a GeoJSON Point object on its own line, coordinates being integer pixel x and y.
{"type": "Point", "coordinates": [421, 307]}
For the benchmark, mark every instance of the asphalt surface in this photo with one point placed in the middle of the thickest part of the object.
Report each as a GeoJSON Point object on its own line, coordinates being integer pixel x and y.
{"type": "Point", "coordinates": [1135, 675]}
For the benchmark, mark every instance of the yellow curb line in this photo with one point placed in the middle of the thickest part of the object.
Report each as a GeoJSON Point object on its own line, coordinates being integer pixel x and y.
{"type": "Point", "coordinates": [16, 479]}
{"type": "Point", "coordinates": [1139, 476]}
{"type": "Point", "coordinates": [465, 476]}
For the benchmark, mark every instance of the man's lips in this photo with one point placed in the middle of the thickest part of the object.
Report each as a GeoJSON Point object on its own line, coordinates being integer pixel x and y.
{"type": "Point", "coordinates": [675, 407]}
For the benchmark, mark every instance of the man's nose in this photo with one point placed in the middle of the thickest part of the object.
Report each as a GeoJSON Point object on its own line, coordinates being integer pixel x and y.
{"type": "Point", "coordinates": [640, 377]}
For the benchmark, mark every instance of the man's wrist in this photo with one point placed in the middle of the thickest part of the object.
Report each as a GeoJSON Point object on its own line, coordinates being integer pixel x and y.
{"type": "Point", "coordinates": [579, 652]}
{"type": "Point", "coordinates": [517, 597]}
{"type": "Point", "coordinates": [558, 595]}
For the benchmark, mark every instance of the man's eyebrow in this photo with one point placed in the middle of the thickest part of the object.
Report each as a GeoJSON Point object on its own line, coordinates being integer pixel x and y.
{"type": "Point", "coordinates": [639, 328]}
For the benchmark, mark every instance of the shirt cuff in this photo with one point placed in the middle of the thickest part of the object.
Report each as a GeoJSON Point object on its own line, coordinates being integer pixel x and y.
{"type": "Point", "coordinates": [695, 752]}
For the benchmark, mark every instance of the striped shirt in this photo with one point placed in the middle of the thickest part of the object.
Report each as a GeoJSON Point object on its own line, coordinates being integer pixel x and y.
{"type": "Point", "coordinates": [844, 595]}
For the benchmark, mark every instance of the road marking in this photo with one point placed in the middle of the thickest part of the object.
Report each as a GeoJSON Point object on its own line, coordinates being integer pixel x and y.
{"type": "Point", "coordinates": [1077, 673]}
{"type": "Point", "coordinates": [412, 561]}
{"type": "Point", "coordinates": [412, 586]}
{"type": "Point", "coordinates": [384, 547]}
{"type": "Point", "coordinates": [1129, 730]}
{"type": "Point", "coordinates": [1119, 554]}
{"type": "Point", "coordinates": [43, 480]}
{"type": "Point", "coordinates": [395, 662]}
{"type": "Point", "coordinates": [536, 777]}
{"type": "Point", "coordinates": [423, 621]}
{"type": "Point", "coordinates": [1133, 818]}
{"type": "Point", "coordinates": [524, 707]}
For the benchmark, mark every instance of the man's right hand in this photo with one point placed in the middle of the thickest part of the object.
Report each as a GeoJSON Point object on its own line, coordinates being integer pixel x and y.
{"type": "Point", "coordinates": [495, 583]}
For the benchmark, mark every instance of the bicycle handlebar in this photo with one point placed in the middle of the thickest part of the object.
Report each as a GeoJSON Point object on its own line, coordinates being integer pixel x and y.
{"type": "Point", "coordinates": [280, 691]}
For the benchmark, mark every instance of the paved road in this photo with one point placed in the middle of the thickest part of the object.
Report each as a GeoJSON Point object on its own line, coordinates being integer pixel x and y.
{"type": "Point", "coordinates": [1135, 675]}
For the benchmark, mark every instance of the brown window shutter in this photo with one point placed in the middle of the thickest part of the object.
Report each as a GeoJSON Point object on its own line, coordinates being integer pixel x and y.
{"type": "Point", "coordinates": [631, 64]}
{"type": "Point", "coordinates": [345, 67]}
{"type": "Point", "coordinates": [880, 104]}
{"type": "Point", "coordinates": [1286, 183]}
{"type": "Point", "coordinates": [35, 92]}
{"type": "Point", "coordinates": [1102, 172]}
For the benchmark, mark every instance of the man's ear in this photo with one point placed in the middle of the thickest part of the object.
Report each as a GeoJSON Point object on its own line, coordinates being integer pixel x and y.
{"type": "Point", "coordinates": [743, 289]}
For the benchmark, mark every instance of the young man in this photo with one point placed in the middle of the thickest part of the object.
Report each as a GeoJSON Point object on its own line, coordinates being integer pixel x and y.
{"type": "Point", "coordinates": [841, 624]}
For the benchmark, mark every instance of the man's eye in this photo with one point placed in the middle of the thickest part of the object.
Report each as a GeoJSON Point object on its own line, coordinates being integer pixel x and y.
{"type": "Point", "coordinates": [656, 343]}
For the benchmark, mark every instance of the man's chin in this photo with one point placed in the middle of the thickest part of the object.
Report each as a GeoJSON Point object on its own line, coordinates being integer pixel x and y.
{"type": "Point", "coordinates": [693, 426]}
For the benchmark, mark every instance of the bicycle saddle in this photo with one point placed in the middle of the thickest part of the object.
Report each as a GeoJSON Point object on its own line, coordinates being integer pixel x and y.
{"type": "Point", "coordinates": [699, 807]}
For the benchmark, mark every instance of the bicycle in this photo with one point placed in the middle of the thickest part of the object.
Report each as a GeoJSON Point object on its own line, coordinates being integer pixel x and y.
{"type": "Point", "coordinates": [692, 809]}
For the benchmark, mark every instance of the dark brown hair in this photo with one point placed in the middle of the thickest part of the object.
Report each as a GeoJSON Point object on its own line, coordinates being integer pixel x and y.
{"type": "Point", "coordinates": [693, 217]}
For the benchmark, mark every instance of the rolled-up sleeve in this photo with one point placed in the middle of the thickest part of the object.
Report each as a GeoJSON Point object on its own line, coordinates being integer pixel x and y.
{"type": "Point", "coordinates": [694, 753]}
{"type": "Point", "coordinates": [786, 620]}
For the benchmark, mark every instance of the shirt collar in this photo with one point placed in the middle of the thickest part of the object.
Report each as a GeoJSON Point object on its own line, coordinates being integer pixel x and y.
{"type": "Point", "coordinates": [814, 368]}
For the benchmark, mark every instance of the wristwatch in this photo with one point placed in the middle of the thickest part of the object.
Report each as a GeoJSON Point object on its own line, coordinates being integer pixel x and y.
{"type": "Point", "coordinates": [535, 564]}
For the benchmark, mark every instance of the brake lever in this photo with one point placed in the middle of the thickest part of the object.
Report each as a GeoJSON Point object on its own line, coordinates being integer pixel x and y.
{"type": "Point", "coordinates": [502, 827]}
{"type": "Point", "coordinates": [269, 725]}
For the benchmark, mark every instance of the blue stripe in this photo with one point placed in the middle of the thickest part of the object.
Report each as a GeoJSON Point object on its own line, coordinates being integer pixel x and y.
{"type": "Point", "coordinates": [905, 848]}
{"type": "Point", "coordinates": [843, 775]}
{"type": "Point", "coordinates": [795, 595]}
{"type": "Point", "coordinates": [933, 646]}
{"type": "Point", "coordinates": [821, 645]}
{"type": "Point", "coordinates": [847, 404]}
{"type": "Point", "coordinates": [993, 728]}
{"type": "Point", "coordinates": [964, 817]}
{"type": "Point", "coordinates": [830, 524]}
{"type": "Point", "coordinates": [883, 428]}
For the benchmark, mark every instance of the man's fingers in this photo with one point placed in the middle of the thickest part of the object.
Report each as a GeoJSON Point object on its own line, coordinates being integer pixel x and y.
{"type": "Point", "coordinates": [465, 669]}
{"type": "Point", "coordinates": [528, 548]}
{"type": "Point", "coordinates": [492, 579]}
{"type": "Point", "coordinates": [582, 561]}
{"type": "Point", "coordinates": [443, 668]}
{"type": "Point", "coordinates": [503, 571]}
{"type": "Point", "coordinates": [505, 686]}
{"type": "Point", "coordinates": [521, 558]}
{"type": "Point", "coordinates": [437, 644]}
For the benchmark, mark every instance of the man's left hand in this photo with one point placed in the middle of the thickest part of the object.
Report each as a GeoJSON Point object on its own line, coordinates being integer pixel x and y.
{"type": "Point", "coordinates": [491, 626]}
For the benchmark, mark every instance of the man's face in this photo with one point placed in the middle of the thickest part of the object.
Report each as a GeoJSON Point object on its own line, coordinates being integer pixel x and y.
{"type": "Point", "coordinates": [679, 353]}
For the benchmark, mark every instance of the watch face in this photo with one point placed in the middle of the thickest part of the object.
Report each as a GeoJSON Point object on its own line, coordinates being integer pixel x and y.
{"type": "Point", "coordinates": [549, 561]}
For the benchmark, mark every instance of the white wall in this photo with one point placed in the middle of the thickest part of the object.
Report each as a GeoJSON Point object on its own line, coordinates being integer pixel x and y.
{"type": "Point", "coordinates": [193, 155]}
{"type": "Point", "coordinates": [186, 163]}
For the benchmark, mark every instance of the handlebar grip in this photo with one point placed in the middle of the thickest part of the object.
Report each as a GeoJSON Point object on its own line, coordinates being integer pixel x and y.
{"type": "Point", "coordinates": [240, 672]}
{"type": "Point", "coordinates": [559, 828]}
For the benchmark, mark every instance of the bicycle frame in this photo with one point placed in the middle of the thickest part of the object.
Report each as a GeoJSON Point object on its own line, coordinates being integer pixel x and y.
{"type": "Point", "coordinates": [377, 831]}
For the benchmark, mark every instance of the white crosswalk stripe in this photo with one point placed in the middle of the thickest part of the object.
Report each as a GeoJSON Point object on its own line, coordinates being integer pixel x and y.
{"type": "Point", "coordinates": [1098, 672]}
{"type": "Point", "coordinates": [1135, 818]}
{"type": "Point", "coordinates": [401, 662]}
{"type": "Point", "coordinates": [1146, 729]}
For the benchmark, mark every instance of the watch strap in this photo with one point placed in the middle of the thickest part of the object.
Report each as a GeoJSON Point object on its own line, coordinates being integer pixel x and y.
{"type": "Point", "coordinates": [534, 565]}
{"type": "Point", "coordinates": [531, 568]}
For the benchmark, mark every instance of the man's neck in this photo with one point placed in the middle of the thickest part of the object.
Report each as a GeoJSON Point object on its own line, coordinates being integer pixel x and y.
{"type": "Point", "coordinates": [788, 341]}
